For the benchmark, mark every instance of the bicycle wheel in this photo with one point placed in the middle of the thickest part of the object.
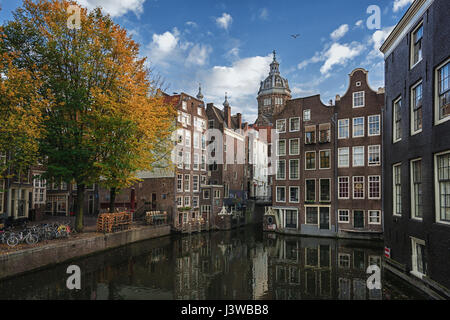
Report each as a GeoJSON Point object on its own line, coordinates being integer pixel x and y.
{"type": "Point", "coordinates": [12, 241]}
{"type": "Point", "coordinates": [31, 239]}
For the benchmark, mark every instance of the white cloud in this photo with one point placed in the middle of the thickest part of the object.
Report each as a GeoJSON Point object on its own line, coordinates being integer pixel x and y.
{"type": "Point", "coordinates": [224, 21]}
{"type": "Point", "coordinates": [191, 24]}
{"type": "Point", "coordinates": [339, 32]}
{"type": "Point", "coordinates": [199, 55]}
{"type": "Point", "coordinates": [400, 4]}
{"type": "Point", "coordinates": [264, 14]}
{"type": "Point", "coordinates": [340, 54]}
{"type": "Point", "coordinates": [359, 23]}
{"type": "Point", "coordinates": [377, 40]}
{"type": "Point", "coordinates": [232, 54]}
{"type": "Point", "coordinates": [115, 8]}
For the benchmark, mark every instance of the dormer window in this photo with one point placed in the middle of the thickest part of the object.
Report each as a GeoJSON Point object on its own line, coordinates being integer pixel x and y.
{"type": "Point", "coordinates": [358, 99]}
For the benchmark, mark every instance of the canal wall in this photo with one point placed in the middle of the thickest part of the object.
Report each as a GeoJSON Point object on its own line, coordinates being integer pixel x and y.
{"type": "Point", "coordinates": [15, 263]}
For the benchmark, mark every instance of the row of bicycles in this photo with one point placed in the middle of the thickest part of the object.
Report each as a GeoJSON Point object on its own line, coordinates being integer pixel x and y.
{"type": "Point", "coordinates": [34, 234]}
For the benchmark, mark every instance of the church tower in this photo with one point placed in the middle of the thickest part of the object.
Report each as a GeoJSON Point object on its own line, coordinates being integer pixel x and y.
{"type": "Point", "coordinates": [272, 95]}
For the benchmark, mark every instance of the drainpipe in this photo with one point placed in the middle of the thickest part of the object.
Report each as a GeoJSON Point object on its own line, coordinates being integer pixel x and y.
{"type": "Point", "coordinates": [336, 184]}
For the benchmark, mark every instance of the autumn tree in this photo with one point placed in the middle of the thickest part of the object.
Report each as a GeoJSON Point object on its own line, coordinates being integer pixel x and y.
{"type": "Point", "coordinates": [103, 117]}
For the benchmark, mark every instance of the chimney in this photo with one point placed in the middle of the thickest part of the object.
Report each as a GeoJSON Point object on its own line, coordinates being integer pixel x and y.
{"type": "Point", "coordinates": [246, 126]}
{"type": "Point", "coordinates": [239, 120]}
{"type": "Point", "coordinates": [227, 114]}
{"type": "Point", "coordinates": [338, 97]}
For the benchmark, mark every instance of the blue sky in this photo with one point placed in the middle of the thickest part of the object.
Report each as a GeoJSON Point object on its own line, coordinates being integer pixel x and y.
{"type": "Point", "coordinates": [227, 45]}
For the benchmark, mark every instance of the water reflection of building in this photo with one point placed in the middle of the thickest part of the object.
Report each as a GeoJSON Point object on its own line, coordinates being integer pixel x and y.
{"type": "Point", "coordinates": [311, 268]}
{"type": "Point", "coordinates": [259, 272]}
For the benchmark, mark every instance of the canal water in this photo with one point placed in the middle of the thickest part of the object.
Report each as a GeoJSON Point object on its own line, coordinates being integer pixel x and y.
{"type": "Point", "coordinates": [239, 264]}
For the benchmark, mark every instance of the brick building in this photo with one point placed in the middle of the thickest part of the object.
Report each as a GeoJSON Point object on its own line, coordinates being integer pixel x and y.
{"type": "Point", "coordinates": [417, 147]}
{"type": "Point", "coordinates": [358, 158]}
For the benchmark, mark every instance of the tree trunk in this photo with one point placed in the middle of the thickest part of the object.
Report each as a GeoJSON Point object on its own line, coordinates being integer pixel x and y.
{"type": "Point", "coordinates": [79, 208]}
{"type": "Point", "coordinates": [112, 200]}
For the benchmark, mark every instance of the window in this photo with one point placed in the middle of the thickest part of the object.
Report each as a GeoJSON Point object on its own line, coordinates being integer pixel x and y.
{"type": "Point", "coordinates": [39, 191]}
{"type": "Point", "coordinates": [324, 133]}
{"type": "Point", "coordinates": [216, 194]}
{"type": "Point", "coordinates": [443, 93]}
{"type": "Point", "coordinates": [281, 148]}
{"type": "Point", "coordinates": [416, 109]}
{"type": "Point", "coordinates": [187, 138]}
{"type": "Point", "coordinates": [344, 216]}
{"type": "Point", "coordinates": [358, 187]}
{"type": "Point", "coordinates": [281, 126]}
{"type": "Point", "coordinates": [397, 188]}
{"type": "Point", "coordinates": [344, 187]}
{"type": "Point", "coordinates": [294, 124]}
{"type": "Point", "coordinates": [310, 135]}
{"type": "Point", "coordinates": [358, 127]}
{"type": "Point", "coordinates": [278, 100]}
{"type": "Point", "coordinates": [281, 194]}
{"type": "Point", "coordinates": [294, 169]}
{"type": "Point", "coordinates": [203, 142]}
{"type": "Point", "coordinates": [206, 194]}
{"type": "Point", "coordinates": [179, 182]}
{"type": "Point", "coordinates": [211, 124]}
{"type": "Point", "coordinates": [195, 202]}
{"type": "Point", "coordinates": [291, 219]}
{"type": "Point", "coordinates": [442, 169]}
{"type": "Point", "coordinates": [312, 216]}
{"type": "Point", "coordinates": [196, 140]}
{"type": "Point", "coordinates": [325, 190]}
{"type": "Point", "coordinates": [310, 160]}
{"type": "Point", "coordinates": [281, 169]}
{"type": "Point", "coordinates": [187, 182]}
{"type": "Point", "coordinates": [374, 187]}
{"type": "Point", "coordinates": [374, 217]}
{"type": "Point", "coordinates": [358, 99]}
{"type": "Point", "coordinates": [180, 159]}
{"type": "Point", "coordinates": [374, 155]}
{"type": "Point", "coordinates": [416, 45]}
{"type": "Point", "coordinates": [187, 160]}
{"type": "Point", "coordinates": [306, 115]}
{"type": "Point", "coordinates": [416, 189]}
{"type": "Point", "coordinates": [310, 190]}
{"type": "Point", "coordinates": [358, 156]}
{"type": "Point", "coordinates": [196, 161]}
{"type": "Point", "coordinates": [267, 102]}
{"type": "Point", "coordinates": [374, 125]}
{"type": "Point", "coordinates": [419, 257]}
{"type": "Point", "coordinates": [343, 157]}
{"type": "Point", "coordinates": [187, 201]}
{"type": "Point", "coordinates": [294, 194]}
{"type": "Point", "coordinates": [195, 184]}
{"type": "Point", "coordinates": [324, 159]}
{"type": "Point", "coordinates": [343, 129]}
{"type": "Point", "coordinates": [179, 201]}
{"type": "Point", "coordinates": [397, 121]}
{"type": "Point", "coordinates": [294, 147]}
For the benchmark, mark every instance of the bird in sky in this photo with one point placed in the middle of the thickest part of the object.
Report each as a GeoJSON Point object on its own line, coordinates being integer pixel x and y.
{"type": "Point", "coordinates": [295, 36]}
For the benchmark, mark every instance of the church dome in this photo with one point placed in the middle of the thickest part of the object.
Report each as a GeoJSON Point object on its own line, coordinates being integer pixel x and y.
{"type": "Point", "coordinates": [274, 83]}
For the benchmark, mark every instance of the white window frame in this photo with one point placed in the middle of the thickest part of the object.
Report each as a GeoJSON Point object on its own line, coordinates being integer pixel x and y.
{"type": "Point", "coordinates": [276, 195]}
{"type": "Point", "coordinates": [339, 216]}
{"type": "Point", "coordinates": [363, 188]}
{"type": "Point", "coordinates": [187, 183]}
{"type": "Point", "coordinates": [437, 193]}
{"type": "Point", "coordinates": [277, 177]}
{"type": "Point", "coordinates": [339, 188]}
{"type": "Point", "coordinates": [348, 129]}
{"type": "Point", "coordinates": [413, 196]}
{"type": "Point", "coordinates": [376, 116]}
{"type": "Point", "coordinates": [340, 157]}
{"type": "Point", "coordinates": [290, 124]}
{"type": "Point", "coordinates": [298, 168]}
{"type": "Point", "coordinates": [363, 158]}
{"type": "Point", "coordinates": [411, 108]}
{"type": "Point", "coordinates": [394, 193]}
{"type": "Point", "coordinates": [194, 198]}
{"type": "Point", "coordinates": [194, 189]}
{"type": "Point", "coordinates": [320, 162]}
{"type": "Point", "coordinates": [276, 127]}
{"type": "Point", "coordinates": [278, 148]}
{"type": "Point", "coordinates": [206, 194]}
{"type": "Point", "coordinates": [438, 121]}
{"type": "Point", "coordinates": [179, 201]}
{"type": "Point", "coordinates": [368, 187]}
{"type": "Point", "coordinates": [298, 194]}
{"type": "Point", "coordinates": [187, 203]}
{"type": "Point", "coordinates": [378, 216]}
{"type": "Point", "coordinates": [363, 99]}
{"type": "Point", "coordinates": [374, 164]}
{"type": "Point", "coordinates": [307, 112]}
{"type": "Point", "coordinates": [394, 118]}
{"type": "Point", "coordinates": [412, 64]}
{"type": "Point", "coordinates": [414, 268]}
{"type": "Point", "coordinates": [363, 127]}
{"type": "Point", "coordinates": [290, 149]}
{"type": "Point", "coordinates": [178, 180]}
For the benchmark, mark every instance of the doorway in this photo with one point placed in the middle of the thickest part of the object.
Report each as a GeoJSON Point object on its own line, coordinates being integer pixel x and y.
{"type": "Point", "coordinates": [358, 219]}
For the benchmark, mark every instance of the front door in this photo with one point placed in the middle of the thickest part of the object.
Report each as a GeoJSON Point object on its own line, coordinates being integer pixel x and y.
{"type": "Point", "coordinates": [324, 218]}
{"type": "Point", "coordinates": [358, 219]}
